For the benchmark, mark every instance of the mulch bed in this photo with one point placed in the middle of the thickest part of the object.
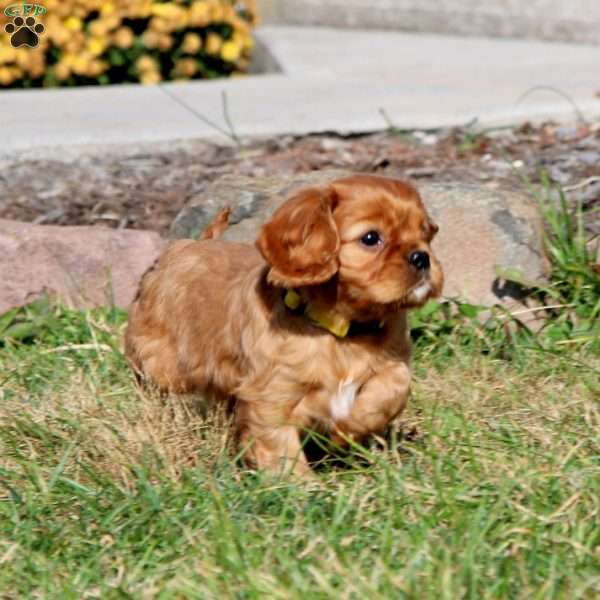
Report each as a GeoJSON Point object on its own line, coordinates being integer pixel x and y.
{"type": "Point", "coordinates": [147, 190]}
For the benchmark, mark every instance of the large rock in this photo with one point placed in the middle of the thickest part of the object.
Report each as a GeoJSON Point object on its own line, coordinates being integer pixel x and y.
{"type": "Point", "coordinates": [80, 266]}
{"type": "Point", "coordinates": [483, 232]}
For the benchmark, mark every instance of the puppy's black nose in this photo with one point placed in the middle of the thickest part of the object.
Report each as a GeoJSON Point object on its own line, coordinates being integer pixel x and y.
{"type": "Point", "coordinates": [419, 260]}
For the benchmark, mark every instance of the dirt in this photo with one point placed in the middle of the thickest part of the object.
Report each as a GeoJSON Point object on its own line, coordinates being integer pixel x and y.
{"type": "Point", "coordinates": [147, 190]}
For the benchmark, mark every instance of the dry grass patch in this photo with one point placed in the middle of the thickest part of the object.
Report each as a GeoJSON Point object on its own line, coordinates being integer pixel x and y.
{"type": "Point", "coordinates": [116, 431]}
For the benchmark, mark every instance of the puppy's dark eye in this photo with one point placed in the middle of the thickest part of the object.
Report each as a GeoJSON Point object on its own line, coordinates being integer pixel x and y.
{"type": "Point", "coordinates": [372, 238]}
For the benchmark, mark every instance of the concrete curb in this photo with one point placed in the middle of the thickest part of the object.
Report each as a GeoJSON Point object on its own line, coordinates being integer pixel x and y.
{"type": "Point", "coordinates": [554, 20]}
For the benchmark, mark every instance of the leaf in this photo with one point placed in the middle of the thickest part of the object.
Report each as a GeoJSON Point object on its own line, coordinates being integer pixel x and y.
{"type": "Point", "coordinates": [431, 307]}
{"type": "Point", "coordinates": [21, 331]}
{"type": "Point", "coordinates": [470, 310]}
{"type": "Point", "coordinates": [7, 319]}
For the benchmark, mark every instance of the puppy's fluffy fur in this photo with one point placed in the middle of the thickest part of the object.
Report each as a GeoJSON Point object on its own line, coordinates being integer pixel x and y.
{"type": "Point", "coordinates": [211, 317]}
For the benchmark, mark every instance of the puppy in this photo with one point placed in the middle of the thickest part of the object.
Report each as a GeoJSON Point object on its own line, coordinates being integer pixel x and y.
{"type": "Point", "coordinates": [310, 331]}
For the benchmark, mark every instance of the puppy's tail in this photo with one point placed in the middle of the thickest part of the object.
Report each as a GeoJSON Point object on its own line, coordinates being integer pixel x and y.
{"type": "Point", "coordinates": [218, 226]}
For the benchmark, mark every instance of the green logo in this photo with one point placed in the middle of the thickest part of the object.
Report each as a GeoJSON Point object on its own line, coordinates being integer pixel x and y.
{"type": "Point", "coordinates": [24, 10]}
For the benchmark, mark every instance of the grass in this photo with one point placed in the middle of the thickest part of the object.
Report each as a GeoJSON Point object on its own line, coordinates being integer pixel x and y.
{"type": "Point", "coordinates": [489, 488]}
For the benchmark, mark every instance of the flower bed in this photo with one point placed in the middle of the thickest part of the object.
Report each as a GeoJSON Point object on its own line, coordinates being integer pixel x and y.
{"type": "Point", "coordinates": [87, 42]}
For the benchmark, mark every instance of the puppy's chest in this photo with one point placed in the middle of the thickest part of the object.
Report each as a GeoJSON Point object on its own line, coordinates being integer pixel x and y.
{"type": "Point", "coordinates": [342, 400]}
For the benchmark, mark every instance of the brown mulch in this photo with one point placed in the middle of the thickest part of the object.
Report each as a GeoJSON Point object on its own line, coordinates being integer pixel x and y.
{"type": "Point", "coordinates": [146, 191]}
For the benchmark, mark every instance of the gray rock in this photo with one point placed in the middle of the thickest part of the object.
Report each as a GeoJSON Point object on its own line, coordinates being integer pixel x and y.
{"type": "Point", "coordinates": [252, 202]}
{"type": "Point", "coordinates": [483, 232]}
{"type": "Point", "coordinates": [80, 266]}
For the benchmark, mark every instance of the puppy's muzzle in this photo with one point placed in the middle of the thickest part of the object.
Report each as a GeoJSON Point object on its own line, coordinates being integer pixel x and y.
{"type": "Point", "coordinates": [419, 260]}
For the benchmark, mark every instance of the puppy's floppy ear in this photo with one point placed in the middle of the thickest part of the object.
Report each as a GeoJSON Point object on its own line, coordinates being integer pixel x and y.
{"type": "Point", "coordinates": [301, 241]}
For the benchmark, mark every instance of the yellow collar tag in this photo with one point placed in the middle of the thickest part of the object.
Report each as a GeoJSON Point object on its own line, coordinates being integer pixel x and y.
{"type": "Point", "coordinates": [333, 323]}
{"type": "Point", "coordinates": [292, 299]}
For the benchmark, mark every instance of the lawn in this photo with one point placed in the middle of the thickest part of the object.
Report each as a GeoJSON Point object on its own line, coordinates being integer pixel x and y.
{"type": "Point", "coordinates": [489, 487]}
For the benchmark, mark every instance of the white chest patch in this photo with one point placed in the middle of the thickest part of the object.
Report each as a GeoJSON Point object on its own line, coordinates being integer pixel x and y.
{"type": "Point", "coordinates": [341, 403]}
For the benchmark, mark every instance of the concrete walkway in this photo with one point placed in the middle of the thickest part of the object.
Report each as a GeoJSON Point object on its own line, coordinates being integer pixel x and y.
{"type": "Point", "coordinates": [331, 80]}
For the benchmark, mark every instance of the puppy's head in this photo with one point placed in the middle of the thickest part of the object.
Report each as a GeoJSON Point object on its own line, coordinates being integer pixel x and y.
{"type": "Point", "coordinates": [362, 243]}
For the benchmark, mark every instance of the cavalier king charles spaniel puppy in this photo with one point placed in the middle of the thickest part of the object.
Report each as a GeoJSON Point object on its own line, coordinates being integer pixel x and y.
{"type": "Point", "coordinates": [306, 331]}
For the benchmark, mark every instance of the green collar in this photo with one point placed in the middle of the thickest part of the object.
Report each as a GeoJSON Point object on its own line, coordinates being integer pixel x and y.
{"type": "Point", "coordinates": [334, 323]}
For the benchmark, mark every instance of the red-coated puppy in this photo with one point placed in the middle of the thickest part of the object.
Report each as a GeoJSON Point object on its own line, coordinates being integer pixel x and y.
{"type": "Point", "coordinates": [308, 329]}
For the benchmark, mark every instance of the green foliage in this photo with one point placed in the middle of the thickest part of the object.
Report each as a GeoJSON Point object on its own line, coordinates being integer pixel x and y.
{"type": "Point", "coordinates": [574, 278]}
{"type": "Point", "coordinates": [49, 341]}
{"type": "Point", "coordinates": [49, 323]}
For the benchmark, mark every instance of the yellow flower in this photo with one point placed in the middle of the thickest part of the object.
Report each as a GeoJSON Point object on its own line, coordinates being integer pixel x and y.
{"type": "Point", "coordinates": [6, 76]}
{"type": "Point", "coordinates": [69, 59]}
{"type": "Point", "coordinates": [240, 27]}
{"type": "Point", "coordinates": [36, 71]}
{"type": "Point", "coordinates": [7, 54]}
{"type": "Point", "coordinates": [124, 37]}
{"type": "Point", "coordinates": [165, 42]}
{"type": "Point", "coordinates": [228, 13]}
{"type": "Point", "coordinates": [112, 22]}
{"type": "Point", "coordinates": [76, 43]}
{"type": "Point", "coordinates": [168, 17]}
{"type": "Point", "coordinates": [213, 43]}
{"type": "Point", "coordinates": [186, 67]}
{"type": "Point", "coordinates": [78, 11]}
{"type": "Point", "coordinates": [23, 58]}
{"type": "Point", "coordinates": [151, 39]}
{"type": "Point", "coordinates": [74, 24]}
{"type": "Point", "coordinates": [107, 8]}
{"type": "Point", "coordinates": [95, 68]}
{"type": "Point", "coordinates": [230, 51]}
{"type": "Point", "coordinates": [59, 35]}
{"type": "Point", "coordinates": [96, 46]}
{"type": "Point", "coordinates": [139, 10]}
{"type": "Point", "coordinates": [199, 14]}
{"type": "Point", "coordinates": [98, 27]}
{"type": "Point", "coordinates": [81, 64]}
{"type": "Point", "coordinates": [150, 77]}
{"type": "Point", "coordinates": [217, 13]}
{"type": "Point", "coordinates": [159, 25]}
{"type": "Point", "coordinates": [62, 71]}
{"type": "Point", "coordinates": [192, 43]}
{"type": "Point", "coordinates": [168, 10]}
{"type": "Point", "coordinates": [146, 63]}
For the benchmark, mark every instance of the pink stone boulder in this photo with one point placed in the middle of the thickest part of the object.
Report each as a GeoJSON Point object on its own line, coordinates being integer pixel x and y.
{"type": "Point", "coordinates": [79, 266]}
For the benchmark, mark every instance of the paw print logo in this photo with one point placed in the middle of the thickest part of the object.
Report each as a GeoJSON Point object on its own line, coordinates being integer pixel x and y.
{"type": "Point", "coordinates": [25, 32]}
